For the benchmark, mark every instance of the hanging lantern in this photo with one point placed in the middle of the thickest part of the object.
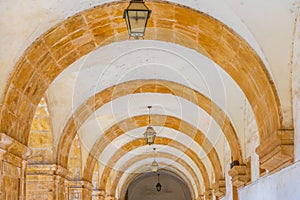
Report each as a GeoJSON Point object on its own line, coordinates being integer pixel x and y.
{"type": "Point", "coordinates": [136, 16]}
{"type": "Point", "coordinates": [150, 133]}
{"type": "Point", "coordinates": [154, 166]}
{"type": "Point", "coordinates": [158, 185]}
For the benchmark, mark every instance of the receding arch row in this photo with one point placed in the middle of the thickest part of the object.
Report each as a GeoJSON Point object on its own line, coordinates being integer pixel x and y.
{"type": "Point", "coordinates": [119, 173]}
{"type": "Point", "coordinates": [80, 34]}
{"type": "Point", "coordinates": [171, 169]}
{"type": "Point", "coordinates": [139, 143]}
{"type": "Point", "coordinates": [150, 86]}
{"type": "Point", "coordinates": [111, 189]}
{"type": "Point", "coordinates": [157, 120]}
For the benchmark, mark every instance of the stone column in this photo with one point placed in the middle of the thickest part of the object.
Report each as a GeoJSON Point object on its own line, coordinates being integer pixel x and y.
{"type": "Point", "coordinates": [13, 156]}
{"type": "Point", "coordinates": [46, 181]}
{"type": "Point", "coordinates": [80, 189]}
{"type": "Point", "coordinates": [61, 183]}
{"type": "Point", "coordinates": [40, 181]}
{"type": "Point", "coordinates": [277, 151]}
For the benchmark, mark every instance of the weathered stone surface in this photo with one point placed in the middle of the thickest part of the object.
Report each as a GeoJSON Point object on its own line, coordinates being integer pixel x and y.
{"type": "Point", "coordinates": [13, 147]}
{"type": "Point", "coordinates": [81, 33]}
{"type": "Point", "coordinates": [238, 175]}
{"type": "Point", "coordinates": [277, 151]}
{"type": "Point", "coordinates": [98, 194]}
{"type": "Point", "coordinates": [219, 188]}
{"type": "Point", "coordinates": [208, 194]}
{"type": "Point", "coordinates": [80, 190]}
{"type": "Point", "coordinates": [12, 166]}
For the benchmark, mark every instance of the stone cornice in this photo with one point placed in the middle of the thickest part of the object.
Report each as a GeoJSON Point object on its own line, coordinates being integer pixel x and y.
{"type": "Point", "coordinates": [277, 151]}
{"type": "Point", "coordinates": [14, 147]}
{"type": "Point", "coordinates": [46, 169]}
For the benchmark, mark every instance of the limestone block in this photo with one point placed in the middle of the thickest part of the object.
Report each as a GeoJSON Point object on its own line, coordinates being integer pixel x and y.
{"type": "Point", "coordinates": [98, 194]}
{"type": "Point", "coordinates": [14, 147]}
{"type": "Point", "coordinates": [238, 175]}
{"type": "Point", "coordinates": [110, 198]}
{"type": "Point", "coordinates": [220, 188]}
{"type": "Point", "coordinates": [277, 151]}
{"type": "Point", "coordinates": [201, 197]}
{"type": "Point", "coordinates": [12, 165]}
{"type": "Point", "coordinates": [208, 194]}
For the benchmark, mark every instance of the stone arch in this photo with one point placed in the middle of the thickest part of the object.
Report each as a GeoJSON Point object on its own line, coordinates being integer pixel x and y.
{"type": "Point", "coordinates": [104, 177]}
{"type": "Point", "coordinates": [111, 190]}
{"type": "Point", "coordinates": [157, 120]}
{"type": "Point", "coordinates": [170, 169]}
{"type": "Point", "coordinates": [153, 86]}
{"type": "Point", "coordinates": [90, 29]}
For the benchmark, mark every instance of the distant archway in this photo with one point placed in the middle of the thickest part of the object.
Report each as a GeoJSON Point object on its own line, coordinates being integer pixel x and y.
{"type": "Point", "coordinates": [143, 187]}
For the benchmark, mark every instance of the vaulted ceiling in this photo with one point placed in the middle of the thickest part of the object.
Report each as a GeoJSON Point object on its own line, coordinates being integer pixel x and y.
{"type": "Point", "coordinates": [211, 70]}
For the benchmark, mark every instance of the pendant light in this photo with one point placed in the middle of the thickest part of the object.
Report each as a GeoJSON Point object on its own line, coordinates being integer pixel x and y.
{"type": "Point", "coordinates": [136, 16]}
{"type": "Point", "coordinates": [154, 166]}
{"type": "Point", "coordinates": [150, 133]}
{"type": "Point", "coordinates": [158, 185]}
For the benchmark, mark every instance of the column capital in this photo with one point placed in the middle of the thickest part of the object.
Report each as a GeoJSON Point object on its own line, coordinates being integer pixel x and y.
{"type": "Point", "coordinates": [276, 151]}
{"type": "Point", "coordinates": [220, 188]}
{"type": "Point", "coordinates": [80, 184]}
{"type": "Point", "coordinates": [238, 175]}
{"type": "Point", "coordinates": [110, 198]}
{"type": "Point", "coordinates": [61, 171]}
{"type": "Point", "coordinates": [208, 194]}
{"type": "Point", "coordinates": [97, 192]}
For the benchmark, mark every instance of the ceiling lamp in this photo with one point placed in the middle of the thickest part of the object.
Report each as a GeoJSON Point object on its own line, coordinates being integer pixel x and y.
{"type": "Point", "coordinates": [158, 185]}
{"type": "Point", "coordinates": [136, 16]}
{"type": "Point", "coordinates": [154, 166]}
{"type": "Point", "coordinates": [150, 133]}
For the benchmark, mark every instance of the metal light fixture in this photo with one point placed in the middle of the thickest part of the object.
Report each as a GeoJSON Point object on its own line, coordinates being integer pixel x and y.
{"type": "Point", "coordinates": [158, 185]}
{"type": "Point", "coordinates": [150, 133]}
{"type": "Point", "coordinates": [154, 166]}
{"type": "Point", "coordinates": [136, 16]}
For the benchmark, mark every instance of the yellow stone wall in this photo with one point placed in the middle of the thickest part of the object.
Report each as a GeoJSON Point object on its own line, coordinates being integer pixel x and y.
{"type": "Point", "coordinates": [40, 137]}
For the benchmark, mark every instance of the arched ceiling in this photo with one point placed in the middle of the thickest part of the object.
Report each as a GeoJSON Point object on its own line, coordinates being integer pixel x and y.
{"type": "Point", "coordinates": [172, 187]}
{"type": "Point", "coordinates": [199, 75]}
{"type": "Point", "coordinates": [257, 30]}
{"type": "Point", "coordinates": [175, 171]}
